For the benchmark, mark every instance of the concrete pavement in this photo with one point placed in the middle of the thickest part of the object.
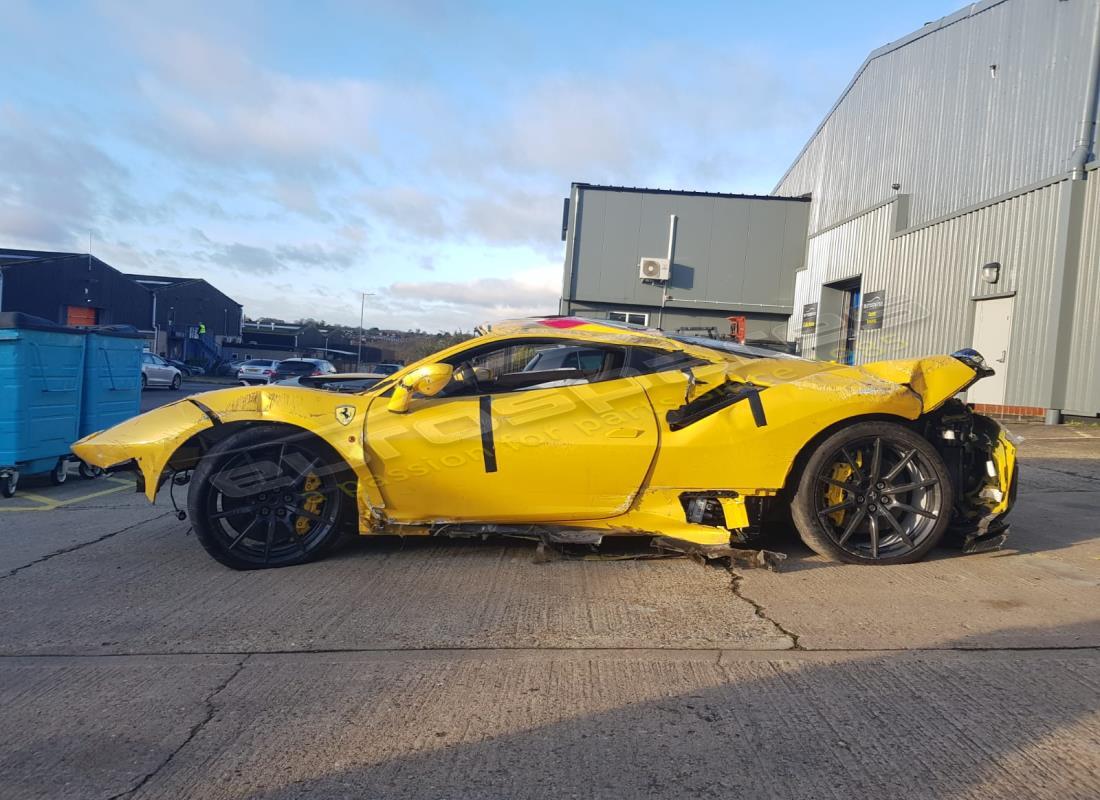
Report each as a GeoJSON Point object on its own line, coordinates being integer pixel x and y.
{"type": "Point", "coordinates": [133, 665]}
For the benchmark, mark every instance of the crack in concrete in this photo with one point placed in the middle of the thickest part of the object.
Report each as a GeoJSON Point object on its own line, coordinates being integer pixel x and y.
{"type": "Point", "coordinates": [735, 585]}
{"type": "Point", "coordinates": [498, 649]}
{"type": "Point", "coordinates": [196, 729]}
{"type": "Point", "coordinates": [82, 545]}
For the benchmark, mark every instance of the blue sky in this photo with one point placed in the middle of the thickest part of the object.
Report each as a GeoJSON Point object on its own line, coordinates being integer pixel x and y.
{"type": "Point", "coordinates": [295, 154]}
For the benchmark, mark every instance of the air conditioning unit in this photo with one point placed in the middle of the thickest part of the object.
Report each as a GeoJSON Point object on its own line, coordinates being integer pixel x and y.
{"type": "Point", "coordinates": [653, 269]}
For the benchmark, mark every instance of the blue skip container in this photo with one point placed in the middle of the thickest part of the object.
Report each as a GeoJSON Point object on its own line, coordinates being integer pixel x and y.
{"type": "Point", "coordinates": [41, 381]}
{"type": "Point", "coordinates": [112, 377]}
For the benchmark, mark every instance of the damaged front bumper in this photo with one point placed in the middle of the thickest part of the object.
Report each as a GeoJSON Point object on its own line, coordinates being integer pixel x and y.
{"type": "Point", "coordinates": [981, 454]}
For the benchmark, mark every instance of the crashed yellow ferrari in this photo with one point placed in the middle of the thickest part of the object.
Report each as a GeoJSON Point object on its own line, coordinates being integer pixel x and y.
{"type": "Point", "coordinates": [570, 430]}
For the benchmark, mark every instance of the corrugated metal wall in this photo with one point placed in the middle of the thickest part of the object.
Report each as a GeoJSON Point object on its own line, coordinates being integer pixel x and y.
{"type": "Point", "coordinates": [932, 115]}
{"type": "Point", "coordinates": [1083, 375]}
{"type": "Point", "coordinates": [731, 252]}
{"type": "Point", "coordinates": [931, 275]}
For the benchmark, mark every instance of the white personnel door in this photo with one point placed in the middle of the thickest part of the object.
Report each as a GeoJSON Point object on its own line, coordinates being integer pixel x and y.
{"type": "Point", "coordinates": [992, 338]}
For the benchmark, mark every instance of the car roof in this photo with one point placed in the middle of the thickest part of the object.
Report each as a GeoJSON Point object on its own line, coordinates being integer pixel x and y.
{"type": "Point", "coordinates": [581, 329]}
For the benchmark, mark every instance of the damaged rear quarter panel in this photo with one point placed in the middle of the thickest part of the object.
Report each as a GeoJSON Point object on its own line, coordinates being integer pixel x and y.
{"type": "Point", "coordinates": [730, 449]}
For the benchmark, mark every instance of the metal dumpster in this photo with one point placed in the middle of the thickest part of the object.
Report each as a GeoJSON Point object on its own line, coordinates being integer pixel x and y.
{"type": "Point", "coordinates": [41, 378]}
{"type": "Point", "coordinates": [112, 377]}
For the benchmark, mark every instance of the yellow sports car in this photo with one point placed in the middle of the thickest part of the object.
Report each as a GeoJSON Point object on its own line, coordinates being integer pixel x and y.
{"type": "Point", "coordinates": [570, 430]}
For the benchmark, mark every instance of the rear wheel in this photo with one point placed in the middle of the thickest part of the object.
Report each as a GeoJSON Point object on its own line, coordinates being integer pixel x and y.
{"type": "Point", "coordinates": [177, 381]}
{"type": "Point", "coordinates": [269, 496]}
{"type": "Point", "coordinates": [9, 483]}
{"type": "Point", "coordinates": [144, 382]}
{"type": "Point", "coordinates": [873, 493]}
{"type": "Point", "coordinates": [60, 472]}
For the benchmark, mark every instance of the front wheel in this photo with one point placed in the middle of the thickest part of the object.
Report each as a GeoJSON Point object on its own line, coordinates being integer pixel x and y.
{"type": "Point", "coordinates": [873, 493]}
{"type": "Point", "coordinates": [269, 496]}
{"type": "Point", "coordinates": [9, 483]}
{"type": "Point", "coordinates": [60, 472]}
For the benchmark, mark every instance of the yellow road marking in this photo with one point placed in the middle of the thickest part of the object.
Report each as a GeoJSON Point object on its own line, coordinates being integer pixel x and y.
{"type": "Point", "coordinates": [35, 497]}
{"type": "Point", "coordinates": [50, 505]}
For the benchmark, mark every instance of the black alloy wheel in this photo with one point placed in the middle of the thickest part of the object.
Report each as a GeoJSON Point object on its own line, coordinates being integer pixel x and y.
{"type": "Point", "coordinates": [270, 496]}
{"type": "Point", "coordinates": [873, 493]}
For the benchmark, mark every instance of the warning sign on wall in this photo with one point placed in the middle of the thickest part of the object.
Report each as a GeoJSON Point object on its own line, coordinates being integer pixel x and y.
{"type": "Point", "coordinates": [871, 314]}
{"type": "Point", "coordinates": [809, 318]}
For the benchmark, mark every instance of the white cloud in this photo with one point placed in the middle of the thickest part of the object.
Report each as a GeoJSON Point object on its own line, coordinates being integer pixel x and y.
{"type": "Point", "coordinates": [351, 179]}
{"type": "Point", "coordinates": [54, 182]}
{"type": "Point", "coordinates": [410, 210]}
{"type": "Point", "coordinates": [215, 103]}
{"type": "Point", "coordinates": [464, 304]}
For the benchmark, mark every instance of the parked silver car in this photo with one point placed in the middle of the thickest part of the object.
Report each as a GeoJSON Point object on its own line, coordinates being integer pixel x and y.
{"type": "Point", "coordinates": [155, 371]}
{"type": "Point", "coordinates": [258, 370]}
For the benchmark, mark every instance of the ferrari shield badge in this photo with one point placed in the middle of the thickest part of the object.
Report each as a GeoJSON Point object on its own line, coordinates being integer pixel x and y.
{"type": "Point", "coordinates": [345, 414]}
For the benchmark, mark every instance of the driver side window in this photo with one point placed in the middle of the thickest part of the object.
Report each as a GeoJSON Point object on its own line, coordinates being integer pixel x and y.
{"type": "Point", "coordinates": [526, 364]}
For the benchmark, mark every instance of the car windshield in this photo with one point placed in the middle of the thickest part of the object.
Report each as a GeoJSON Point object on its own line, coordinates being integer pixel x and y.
{"type": "Point", "coordinates": [732, 348]}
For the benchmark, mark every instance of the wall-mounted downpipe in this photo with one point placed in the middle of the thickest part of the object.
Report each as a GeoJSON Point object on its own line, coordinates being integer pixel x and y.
{"type": "Point", "coordinates": [1086, 129]}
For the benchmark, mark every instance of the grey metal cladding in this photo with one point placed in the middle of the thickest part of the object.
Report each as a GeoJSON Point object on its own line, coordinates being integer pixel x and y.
{"type": "Point", "coordinates": [931, 274]}
{"type": "Point", "coordinates": [729, 249]}
{"type": "Point", "coordinates": [1083, 373]}
{"type": "Point", "coordinates": [931, 113]}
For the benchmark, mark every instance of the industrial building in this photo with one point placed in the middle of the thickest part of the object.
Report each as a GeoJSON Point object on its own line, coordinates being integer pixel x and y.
{"type": "Point", "coordinates": [183, 318]}
{"type": "Point", "coordinates": [949, 199]}
{"type": "Point", "coordinates": [193, 319]}
{"type": "Point", "coordinates": [683, 261]}
{"type": "Point", "coordinates": [70, 289]}
{"type": "Point", "coordinates": [954, 203]}
{"type": "Point", "coordinates": [270, 339]}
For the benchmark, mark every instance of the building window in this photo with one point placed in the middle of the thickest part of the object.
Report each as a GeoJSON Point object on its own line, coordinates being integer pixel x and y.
{"type": "Point", "coordinates": [631, 317]}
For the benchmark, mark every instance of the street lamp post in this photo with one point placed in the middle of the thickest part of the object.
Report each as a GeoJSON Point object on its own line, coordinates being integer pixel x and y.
{"type": "Point", "coordinates": [362, 308]}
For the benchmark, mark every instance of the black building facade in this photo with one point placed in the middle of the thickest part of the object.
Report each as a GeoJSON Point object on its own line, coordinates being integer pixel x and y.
{"type": "Point", "coordinates": [184, 303]}
{"type": "Point", "coordinates": [183, 318]}
{"type": "Point", "coordinates": [71, 289]}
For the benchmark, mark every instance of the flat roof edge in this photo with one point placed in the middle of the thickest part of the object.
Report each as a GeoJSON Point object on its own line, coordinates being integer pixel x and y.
{"type": "Point", "coordinates": [683, 192]}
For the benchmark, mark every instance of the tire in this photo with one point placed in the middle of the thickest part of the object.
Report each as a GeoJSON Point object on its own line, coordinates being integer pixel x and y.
{"type": "Point", "coordinates": [60, 472]}
{"type": "Point", "coordinates": [177, 381]}
{"type": "Point", "coordinates": [244, 523]}
{"type": "Point", "coordinates": [144, 382]}
{"type": "Point", "coordinates": [9, 483]}
{"type": "Point", "coordinates": [846, 497]}
{"type": "Point", "coordinates": [88, 472]}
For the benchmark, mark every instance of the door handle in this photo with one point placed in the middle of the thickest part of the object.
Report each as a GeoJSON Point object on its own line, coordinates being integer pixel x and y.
{"type": "Point", "coordinates": [1003, 358]}
{"type": "Point", "coordinates": [625, 433]}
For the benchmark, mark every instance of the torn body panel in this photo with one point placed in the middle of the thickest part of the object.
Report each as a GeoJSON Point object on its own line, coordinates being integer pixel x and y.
{"type": "Point", "coordinates": [173, 436]}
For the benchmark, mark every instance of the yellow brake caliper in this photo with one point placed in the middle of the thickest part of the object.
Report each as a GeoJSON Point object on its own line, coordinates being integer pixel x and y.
{"type": "Point", "coordinates": [834, 495]}
{"type": "Point", "coordinates": [312, 504]}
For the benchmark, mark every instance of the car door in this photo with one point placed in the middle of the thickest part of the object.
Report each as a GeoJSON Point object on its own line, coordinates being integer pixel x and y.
{"type": "Point", "coordinates": [163, 370]}
{"type": "Point", "coordinates": [148, 368]}
{"type": "Point", "coordinates": [514, 449]}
